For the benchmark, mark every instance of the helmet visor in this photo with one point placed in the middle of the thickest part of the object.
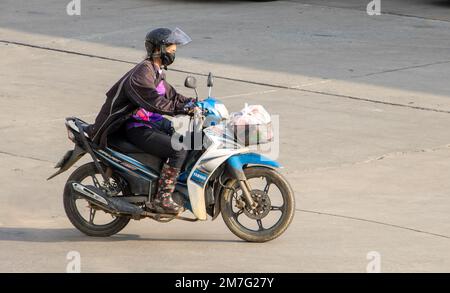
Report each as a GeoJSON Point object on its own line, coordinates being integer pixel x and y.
{"type": "Point", "coordinates": [178, 37]}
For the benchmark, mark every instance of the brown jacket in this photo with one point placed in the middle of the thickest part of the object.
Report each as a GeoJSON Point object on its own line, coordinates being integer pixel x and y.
{"type": "Point", "coordinates": [136, 89]}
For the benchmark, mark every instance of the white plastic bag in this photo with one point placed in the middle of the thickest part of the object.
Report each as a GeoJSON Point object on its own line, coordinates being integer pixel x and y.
{"type": "Point", "coordinates": [252, 125]}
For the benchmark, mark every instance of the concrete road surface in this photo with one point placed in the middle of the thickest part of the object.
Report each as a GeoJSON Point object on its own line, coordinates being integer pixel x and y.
{"type": "Point", "coordinates": [364, 107]}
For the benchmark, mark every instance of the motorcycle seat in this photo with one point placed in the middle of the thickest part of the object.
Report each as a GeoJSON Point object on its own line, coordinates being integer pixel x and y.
{"type": "Point", "coordinates": [119, 143]}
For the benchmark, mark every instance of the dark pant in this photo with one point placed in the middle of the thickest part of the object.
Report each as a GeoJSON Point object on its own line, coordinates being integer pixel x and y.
{"type": "Point", "coordinates": [156, 143]}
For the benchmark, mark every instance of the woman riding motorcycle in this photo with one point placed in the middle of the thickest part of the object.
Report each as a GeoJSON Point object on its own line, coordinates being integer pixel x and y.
{"type": "Point", "coordinates": [138, 100]}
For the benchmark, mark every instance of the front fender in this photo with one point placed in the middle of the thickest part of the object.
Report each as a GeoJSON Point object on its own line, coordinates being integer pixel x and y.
{"type": "Point", "coordinates": [236, 163]}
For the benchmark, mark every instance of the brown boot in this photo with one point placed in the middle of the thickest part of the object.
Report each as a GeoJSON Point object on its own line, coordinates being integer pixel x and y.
{"type": "Point", "coordinates": [164, 202]}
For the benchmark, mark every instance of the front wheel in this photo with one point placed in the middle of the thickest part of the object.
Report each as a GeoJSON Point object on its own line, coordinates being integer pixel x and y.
{"type": "Point", "coordinates": [275, 210]}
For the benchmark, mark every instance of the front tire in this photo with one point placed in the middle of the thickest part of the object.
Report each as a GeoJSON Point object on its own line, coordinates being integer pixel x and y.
{"type": "Point", "coordinates": [233, 212]}
{"type": "Point", "coordinates": [71, 208]}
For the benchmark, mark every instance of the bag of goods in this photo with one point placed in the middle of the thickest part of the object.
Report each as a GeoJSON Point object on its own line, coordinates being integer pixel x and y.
{"type": "Point", "coordinates": [251, 126]}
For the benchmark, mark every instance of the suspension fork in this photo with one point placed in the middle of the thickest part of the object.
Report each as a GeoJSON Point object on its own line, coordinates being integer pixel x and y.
{"type": "Point", "coordinates": [236, 170]}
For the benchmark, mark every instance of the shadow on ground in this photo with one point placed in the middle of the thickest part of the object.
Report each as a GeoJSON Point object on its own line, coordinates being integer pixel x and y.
{"type": "Point", "coordinates": [53, 235]}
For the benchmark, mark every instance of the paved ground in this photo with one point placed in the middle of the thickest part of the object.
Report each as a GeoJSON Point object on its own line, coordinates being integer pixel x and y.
{"type": "Point", "coordinates": [364, 105]}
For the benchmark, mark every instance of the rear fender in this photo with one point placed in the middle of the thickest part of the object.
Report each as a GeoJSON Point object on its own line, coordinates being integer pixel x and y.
{"type": "Point", "coordinates": [69, 159]}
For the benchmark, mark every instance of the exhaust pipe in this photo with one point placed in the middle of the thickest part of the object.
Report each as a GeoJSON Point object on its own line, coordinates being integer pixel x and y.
{"type": "Point", "coordinates": [113, 205]}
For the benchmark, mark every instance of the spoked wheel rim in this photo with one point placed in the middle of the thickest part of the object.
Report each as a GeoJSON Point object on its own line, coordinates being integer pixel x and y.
{"type": "Point", "coordinates": [91, 214]}
{"type": "Point", "coordinates": [271, 206]}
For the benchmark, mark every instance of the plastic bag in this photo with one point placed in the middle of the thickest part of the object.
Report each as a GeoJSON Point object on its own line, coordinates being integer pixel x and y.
{"type": "Point", "coordinates": [252, 125]}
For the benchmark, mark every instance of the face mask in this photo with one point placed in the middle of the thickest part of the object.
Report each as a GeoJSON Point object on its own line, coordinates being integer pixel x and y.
{"type": "Point", "coordinates": [167, 58]}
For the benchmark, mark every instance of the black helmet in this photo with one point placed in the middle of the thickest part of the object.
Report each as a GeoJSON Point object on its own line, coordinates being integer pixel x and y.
{"type": "Point", "coordinates": [160, 38]}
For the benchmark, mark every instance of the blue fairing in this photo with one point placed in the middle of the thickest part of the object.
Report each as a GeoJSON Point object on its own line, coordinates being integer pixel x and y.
{"type": "Point", "coordinates": [237, 162]}
{"type": "Point", "coordinates": [209, 104]}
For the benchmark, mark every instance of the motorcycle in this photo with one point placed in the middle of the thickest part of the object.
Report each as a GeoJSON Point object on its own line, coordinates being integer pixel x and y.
{"type": "Point", "coordinates": [101, 197]}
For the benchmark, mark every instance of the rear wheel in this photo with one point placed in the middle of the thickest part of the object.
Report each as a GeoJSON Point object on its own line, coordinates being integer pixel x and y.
{"type": "Point", "coordinates": [86, 217]}
{"type": "Point", "coordinates": [275, 210]}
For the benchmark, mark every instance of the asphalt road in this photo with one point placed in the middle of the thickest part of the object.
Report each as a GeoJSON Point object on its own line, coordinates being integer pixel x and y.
{"type": "Point", "coordinates": [364, 107]}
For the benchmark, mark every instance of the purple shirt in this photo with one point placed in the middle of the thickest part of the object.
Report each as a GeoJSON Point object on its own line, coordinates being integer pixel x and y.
{"type": "Point", "coordinates": [144, 115]}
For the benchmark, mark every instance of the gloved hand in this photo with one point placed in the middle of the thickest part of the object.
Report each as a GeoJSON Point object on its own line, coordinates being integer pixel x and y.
{"type": "Point", "coordinates": [191, 111]}
{"type": "Point", "coordinates": [189, 108]}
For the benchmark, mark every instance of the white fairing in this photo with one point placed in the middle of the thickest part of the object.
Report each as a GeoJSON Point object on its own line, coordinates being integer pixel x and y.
{"type": "Point", "coordinates": [222, 110]}
{"type": "Point", "coordinates": [213, 157]}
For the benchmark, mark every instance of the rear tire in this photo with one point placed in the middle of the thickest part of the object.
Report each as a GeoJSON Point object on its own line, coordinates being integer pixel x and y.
{"type": "Point", "coordinates": [90, 229]}
{"type": "Point", "coordinates": [230, 217]}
